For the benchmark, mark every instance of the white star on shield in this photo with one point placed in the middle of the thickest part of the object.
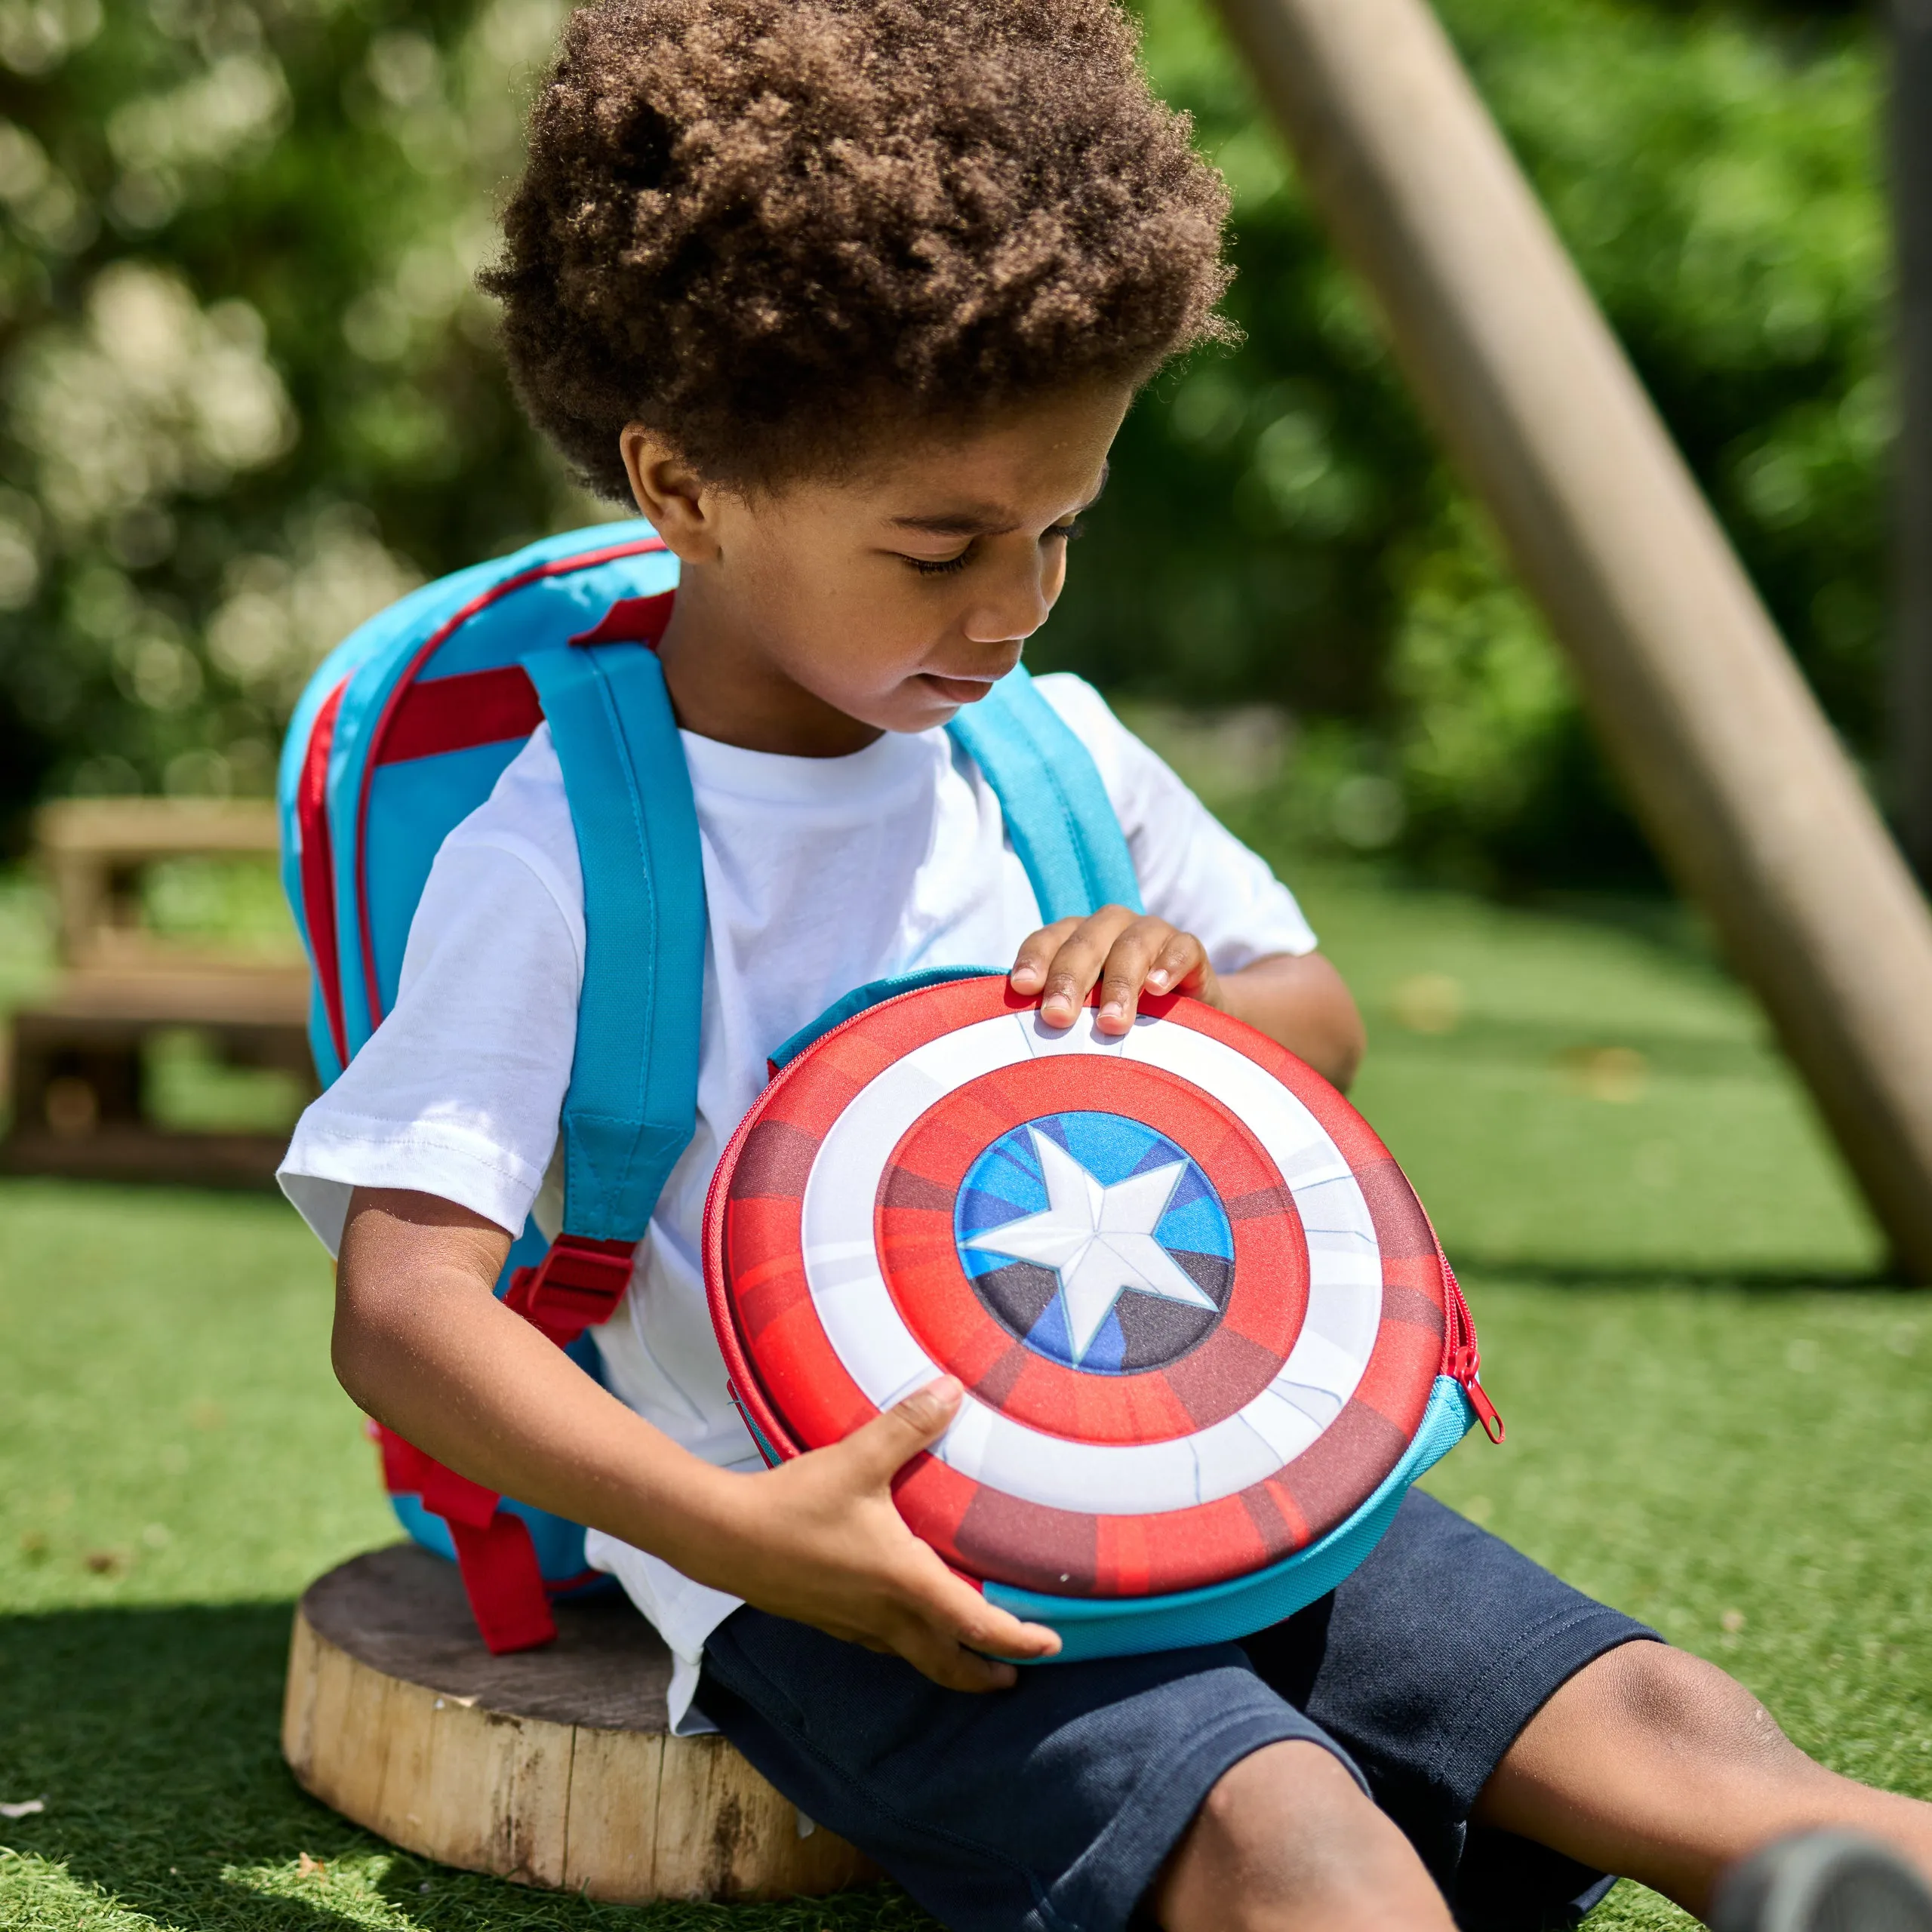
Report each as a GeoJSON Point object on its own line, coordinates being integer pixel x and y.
{"type": "Point", "coordinates": [1099, 1240]}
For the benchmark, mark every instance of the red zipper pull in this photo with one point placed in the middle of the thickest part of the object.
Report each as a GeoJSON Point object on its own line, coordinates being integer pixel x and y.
{"type": "Point", "coordinates": [1464, 1359]}
{"type": "Point", "coordinates": [1464, 1369]}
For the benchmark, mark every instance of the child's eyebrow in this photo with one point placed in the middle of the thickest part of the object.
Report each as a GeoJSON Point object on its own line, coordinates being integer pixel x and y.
{"type": "Point", "coordinates": [980, 521]}
{"type": "Point", "coordinates": [960, 523]}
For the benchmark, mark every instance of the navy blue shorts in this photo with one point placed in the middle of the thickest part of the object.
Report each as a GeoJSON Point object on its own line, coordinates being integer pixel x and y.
{"type": "Point", "coordinates": [1051, 1807]}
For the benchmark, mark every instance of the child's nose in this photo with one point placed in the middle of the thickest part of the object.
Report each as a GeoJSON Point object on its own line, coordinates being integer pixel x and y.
{"type": "Point", "coordinates": [1013, 610]}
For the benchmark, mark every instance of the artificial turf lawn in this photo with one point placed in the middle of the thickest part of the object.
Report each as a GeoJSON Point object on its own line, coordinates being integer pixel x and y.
{"type": "Point", "coordinates": [1637, 1194]}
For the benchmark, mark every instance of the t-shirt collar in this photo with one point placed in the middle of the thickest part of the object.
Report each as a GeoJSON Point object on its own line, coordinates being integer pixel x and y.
{"type": "Point", "coordinates": [893, 763]}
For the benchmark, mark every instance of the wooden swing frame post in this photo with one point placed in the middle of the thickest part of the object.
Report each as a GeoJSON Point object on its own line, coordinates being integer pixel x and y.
{"type": "Point", "coordinates": [1910, 695]}
{"type": "Point", "coordinates": [1731, 765]}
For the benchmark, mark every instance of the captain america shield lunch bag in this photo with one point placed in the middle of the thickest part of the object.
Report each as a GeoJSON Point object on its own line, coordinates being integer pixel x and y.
{"type": "Point", "coordinates": [1207, 1336]}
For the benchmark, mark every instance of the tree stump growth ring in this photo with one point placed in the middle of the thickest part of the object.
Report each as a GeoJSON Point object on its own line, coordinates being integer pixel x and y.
{"type": "Point", "coordinates": [552, 1768]}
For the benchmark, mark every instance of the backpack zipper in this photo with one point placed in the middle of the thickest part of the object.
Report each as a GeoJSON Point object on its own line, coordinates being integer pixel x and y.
{"type": "Point", "coordinates": [1462, 1358]}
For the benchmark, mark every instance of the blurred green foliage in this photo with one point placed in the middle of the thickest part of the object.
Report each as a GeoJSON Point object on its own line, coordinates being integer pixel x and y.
{"type": "Point", "coordinates": [248, 392]}
{"type": "Point", "coordinates": [1279, 527]}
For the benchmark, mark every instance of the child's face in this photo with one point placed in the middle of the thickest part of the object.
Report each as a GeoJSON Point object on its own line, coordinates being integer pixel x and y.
{"type": "Point", "coordinates": [889, 600]}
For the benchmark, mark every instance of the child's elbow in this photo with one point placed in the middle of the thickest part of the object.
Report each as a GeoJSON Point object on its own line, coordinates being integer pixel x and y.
{"type": "Point", "coordinates": [1324, 1024]}
{"type": "Point", "coordinates": [1345, 1042]}
{"type": "Point", "coordinates": [368, 1337]}
{"type": "Point", "coordinates": [353, 1350]}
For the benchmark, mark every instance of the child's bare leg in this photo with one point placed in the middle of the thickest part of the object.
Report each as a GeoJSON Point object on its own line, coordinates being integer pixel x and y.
{"type": "Point", "coordinates": [1288, 1839]}
{"type": "Point", "coordinates": [1654, 1764]}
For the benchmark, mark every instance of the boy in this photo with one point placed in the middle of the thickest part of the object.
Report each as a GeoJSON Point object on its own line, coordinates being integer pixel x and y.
{"type": "Point", "coordinates": [849, 297]}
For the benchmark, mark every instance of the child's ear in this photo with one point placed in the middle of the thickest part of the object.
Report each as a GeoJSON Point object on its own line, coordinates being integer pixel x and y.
{"type": "Point", "coordinates": [670, 493]}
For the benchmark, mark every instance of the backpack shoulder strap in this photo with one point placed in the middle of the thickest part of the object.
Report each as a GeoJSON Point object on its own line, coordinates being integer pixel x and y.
{"type": "Point", "coordinates": [1056, 809]}
{"type": "Point", "coordinates": [632, 1106]}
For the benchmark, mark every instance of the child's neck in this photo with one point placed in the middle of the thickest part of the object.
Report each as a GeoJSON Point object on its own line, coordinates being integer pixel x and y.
{"type": "Point", "coordinates": [724, 685]}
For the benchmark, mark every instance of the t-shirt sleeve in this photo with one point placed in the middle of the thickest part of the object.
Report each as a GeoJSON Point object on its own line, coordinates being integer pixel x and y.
{"type": "Point", "coordinates": [1193, 872]}
{"type": "Point", "coordinates": [459, 1092]}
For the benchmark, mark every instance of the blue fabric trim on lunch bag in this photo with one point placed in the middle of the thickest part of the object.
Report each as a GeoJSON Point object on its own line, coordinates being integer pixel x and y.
{"type": "Point", "coordinates": [1058, 815]}
{"type": "Point", "coordinates": [863, 999]}
{"type": "Point", "coordinates": [632, 1106]}
{"type": "Point", "coordinates": [1124, 1627]}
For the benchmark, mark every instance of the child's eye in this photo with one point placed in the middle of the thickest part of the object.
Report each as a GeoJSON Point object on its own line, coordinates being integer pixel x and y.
{"type": "Point", "coordinates": [1062, 533]}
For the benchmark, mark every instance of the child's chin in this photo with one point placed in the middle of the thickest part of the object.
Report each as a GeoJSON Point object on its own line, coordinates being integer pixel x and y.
{"type": "Point", "coordinates": [919, 706]}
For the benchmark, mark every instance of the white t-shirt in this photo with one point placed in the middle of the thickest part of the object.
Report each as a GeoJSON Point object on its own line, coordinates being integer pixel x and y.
{"type": "Point", "coordinates": [819, 876]}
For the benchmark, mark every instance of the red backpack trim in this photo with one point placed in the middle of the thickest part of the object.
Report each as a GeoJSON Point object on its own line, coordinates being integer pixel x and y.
{"type": "Point", "coordinates": [403, 689]}
{"type": "Point", "coordinates": [318, 868]}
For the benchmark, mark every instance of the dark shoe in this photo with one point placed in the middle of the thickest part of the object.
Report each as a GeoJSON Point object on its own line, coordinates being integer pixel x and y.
{"type": "Point", "coordinates": [1822, 1881]}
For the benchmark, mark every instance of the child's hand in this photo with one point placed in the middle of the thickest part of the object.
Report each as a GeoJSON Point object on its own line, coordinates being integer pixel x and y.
{"type": "Point", "coordinates": [1123, 952]}
{"type": "Point", "coordinates": [823, 1544]}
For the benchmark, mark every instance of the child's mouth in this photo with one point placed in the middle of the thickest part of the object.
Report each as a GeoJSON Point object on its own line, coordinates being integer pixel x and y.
{"type": "Point", "coordinates": [958, 691]}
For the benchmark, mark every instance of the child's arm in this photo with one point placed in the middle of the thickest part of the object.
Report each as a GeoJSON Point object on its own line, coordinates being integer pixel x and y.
{"type": "Point", "coordinates": [423, 1344]}
{"type": "Point", "coordinates": [1298, 999]}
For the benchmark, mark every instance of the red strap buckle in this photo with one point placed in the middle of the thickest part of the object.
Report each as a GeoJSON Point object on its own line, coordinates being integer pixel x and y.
{"type": "Point", "coordinates": [577, 1285]}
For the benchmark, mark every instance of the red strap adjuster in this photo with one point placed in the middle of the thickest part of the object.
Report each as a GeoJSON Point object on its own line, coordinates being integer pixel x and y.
{"type": "Point", "coordinates": [577, 1285]}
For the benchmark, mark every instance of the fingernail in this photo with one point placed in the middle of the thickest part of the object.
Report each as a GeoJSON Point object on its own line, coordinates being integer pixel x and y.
{"type": "Point", "coordinates": [1112, 1010]}
{"type": "Point", "coordinates": [1158, 977]}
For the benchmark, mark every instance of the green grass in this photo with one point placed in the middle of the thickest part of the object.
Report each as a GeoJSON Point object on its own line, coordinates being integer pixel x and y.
{"type": "Point", "coordinates": [1700, 1431]}
{"type": "Point", "coordinates": [1607, 1105]}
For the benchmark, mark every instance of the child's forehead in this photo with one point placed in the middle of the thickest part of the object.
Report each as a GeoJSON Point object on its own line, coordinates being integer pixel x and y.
{"type": "Point", "coordinates": [1051, 461]}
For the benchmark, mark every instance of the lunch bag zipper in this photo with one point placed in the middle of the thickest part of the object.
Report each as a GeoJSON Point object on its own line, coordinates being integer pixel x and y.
{"type": "Point", "coordinates": [1461, 1358]}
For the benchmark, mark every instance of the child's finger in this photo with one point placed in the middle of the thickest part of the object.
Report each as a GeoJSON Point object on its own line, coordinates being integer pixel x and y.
{"type": "Point", "coordinates": [1125, 972]}
{"type": "Point", "coordinates": [1180, 966]}
{"type": "Point", "coordinates": [946, 1663]}
{"type": "Point", "coordinates": [1035, 955]}
{"type": "Point", "coordinates": [889, 1440]}
{"type": "Point", "coordinates": [956, 1617]}
{"type": "Point", "coordinates": [997, 1633]}
{"type": "Point", "coordinates": [1076, 965]}
{"type": "Point", "coordinates": [969, 1618]}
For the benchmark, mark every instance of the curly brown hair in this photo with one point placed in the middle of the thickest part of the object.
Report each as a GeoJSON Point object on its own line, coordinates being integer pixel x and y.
{"type": "Point", "coordinates": [768, 228]}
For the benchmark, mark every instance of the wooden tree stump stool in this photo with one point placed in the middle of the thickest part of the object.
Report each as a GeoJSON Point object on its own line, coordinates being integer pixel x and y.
{"type": "Point", "coordinates": [551, 1767]}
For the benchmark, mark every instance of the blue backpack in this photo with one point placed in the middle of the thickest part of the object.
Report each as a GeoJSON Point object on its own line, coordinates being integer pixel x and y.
{"type": "Point", "coordinates": [401, 734]}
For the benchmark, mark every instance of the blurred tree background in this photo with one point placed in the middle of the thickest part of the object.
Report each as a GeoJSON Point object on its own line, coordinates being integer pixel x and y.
{"type": "Point", "coordinates": [248, 393]}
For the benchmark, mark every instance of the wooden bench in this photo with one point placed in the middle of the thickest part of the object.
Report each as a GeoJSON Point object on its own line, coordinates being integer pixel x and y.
{"type": "Point", "coordinates": [551, 1767]}
{"type": "Point", "coordinates": [79, 1103]}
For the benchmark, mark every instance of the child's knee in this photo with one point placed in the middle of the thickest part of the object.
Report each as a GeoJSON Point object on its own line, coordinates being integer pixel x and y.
{"type": "Point", "coordinates": [1692, 1705]}
{"type": "Point", "coordinates": [1287, 1832]}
